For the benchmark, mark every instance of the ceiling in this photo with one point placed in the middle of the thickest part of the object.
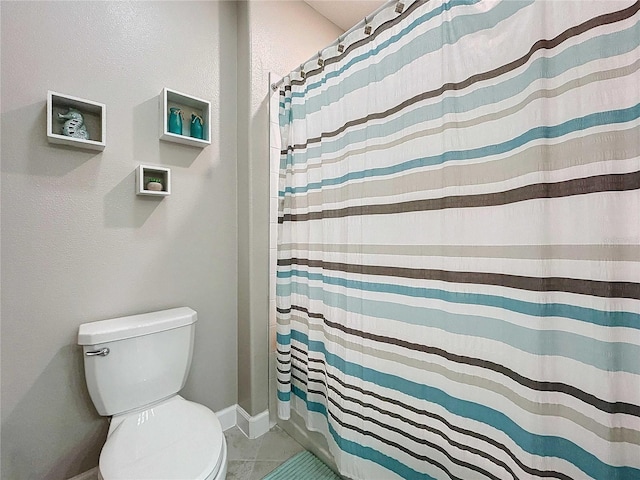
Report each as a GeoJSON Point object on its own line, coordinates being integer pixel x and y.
{"type": "Point", "coordinates": [345, 14]}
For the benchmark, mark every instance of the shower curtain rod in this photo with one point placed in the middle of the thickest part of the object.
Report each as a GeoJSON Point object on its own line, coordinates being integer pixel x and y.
{"type": "Point", "coordinates": [361, 23]}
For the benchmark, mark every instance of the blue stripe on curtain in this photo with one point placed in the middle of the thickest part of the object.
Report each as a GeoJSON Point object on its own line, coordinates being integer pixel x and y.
{"type": "Point", "coordinates": [570, 126]}
{"type": "Point", "coordinates": [600, 47]}
{"type": "Point", "coordinates": [589, 315]}
{"type": "Point", "coordinates": [609, 356]}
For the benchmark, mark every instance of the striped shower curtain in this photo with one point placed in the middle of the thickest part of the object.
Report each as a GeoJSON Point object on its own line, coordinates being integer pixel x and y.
{"type": "Point", "coordinates": [458, 280]}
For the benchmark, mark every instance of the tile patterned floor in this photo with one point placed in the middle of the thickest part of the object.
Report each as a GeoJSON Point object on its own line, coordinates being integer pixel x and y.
{"type": "Point", "coordinates": [253, 459]}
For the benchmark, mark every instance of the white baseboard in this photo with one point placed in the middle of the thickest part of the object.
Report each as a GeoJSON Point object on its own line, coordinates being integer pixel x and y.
{"type": "Point", "coordinates": [252, 427]}
{"type": "Point", "coordinates": [228, 417]}
{"type": "Point", "coordinates": [88, 475]}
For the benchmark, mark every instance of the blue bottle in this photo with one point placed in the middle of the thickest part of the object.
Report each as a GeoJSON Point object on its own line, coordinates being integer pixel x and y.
{"type": "Point", "coordinates": [196, 126]}
{"type": "Point", "coordinates": [175, 120]}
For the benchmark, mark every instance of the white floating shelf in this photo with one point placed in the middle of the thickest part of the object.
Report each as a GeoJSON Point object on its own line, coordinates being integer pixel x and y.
{"type": "Point", "coordinates": [188, 105]}
{"type": "Point", "coordinates": [146, 172]}
{"type": "Point", "coordinates": [94, 115]}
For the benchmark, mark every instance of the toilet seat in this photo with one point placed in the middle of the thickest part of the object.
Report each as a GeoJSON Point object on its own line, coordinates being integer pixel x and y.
{"type": "Point", "coordinates": [174, 440]}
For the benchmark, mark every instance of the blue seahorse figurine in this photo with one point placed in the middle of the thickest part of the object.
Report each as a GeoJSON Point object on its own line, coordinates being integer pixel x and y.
{"type": "Point", "coordinates": [74, 124]}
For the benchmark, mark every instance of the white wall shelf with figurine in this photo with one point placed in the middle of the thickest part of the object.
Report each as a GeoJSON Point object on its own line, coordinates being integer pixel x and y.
{"type": "Point", "coordinates": [76, 122]}
{"type": "Point", "coordinates": [187, 107]}
{"type": "Point", "coordinates": [160, 178]}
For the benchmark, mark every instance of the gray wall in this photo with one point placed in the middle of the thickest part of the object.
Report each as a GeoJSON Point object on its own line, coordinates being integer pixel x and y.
{"type": "Point", "coordinates": [77, 244]}
{"type": "Point", "coordinates": [273, 37]}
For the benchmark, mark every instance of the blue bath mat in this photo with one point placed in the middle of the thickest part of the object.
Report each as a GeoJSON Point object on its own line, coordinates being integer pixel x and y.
{"type": "Point", "coordinates": [304, 465]}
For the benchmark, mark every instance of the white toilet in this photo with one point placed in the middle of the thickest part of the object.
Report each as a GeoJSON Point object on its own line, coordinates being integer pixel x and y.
{"type": "Point", "coordinates": [135, 366]}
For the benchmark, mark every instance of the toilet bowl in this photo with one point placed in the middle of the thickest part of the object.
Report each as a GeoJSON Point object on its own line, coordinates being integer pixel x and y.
{"type": "Point", "coordinates": [175, 439]}
{"type": "Point", "coordinates": [135, 366]}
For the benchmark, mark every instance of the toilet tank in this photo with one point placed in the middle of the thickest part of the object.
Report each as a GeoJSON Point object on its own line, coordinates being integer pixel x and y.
{"type": "Point", "coordinates": [134, 361]}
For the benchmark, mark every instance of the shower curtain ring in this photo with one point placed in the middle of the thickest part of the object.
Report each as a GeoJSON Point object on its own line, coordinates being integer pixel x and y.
{"type": "Point", "coordinates": [367, 27]}
{"type": "Point", "coordinates": [340, 45]}
{"type": "Point", "coordinates": [320, 60]}
{"type": "Point", "coordinates": [399, 7]}
{"type": "Point", "coordinates": [302, 74]}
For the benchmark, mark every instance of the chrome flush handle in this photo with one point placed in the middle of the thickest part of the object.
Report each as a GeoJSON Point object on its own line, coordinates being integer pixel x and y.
{"type": "Point", "coordinates": [103, 352]}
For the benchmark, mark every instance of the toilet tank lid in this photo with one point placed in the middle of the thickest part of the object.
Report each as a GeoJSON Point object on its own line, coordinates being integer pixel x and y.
{"type": "Point", "coordinates": [104, 331]}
